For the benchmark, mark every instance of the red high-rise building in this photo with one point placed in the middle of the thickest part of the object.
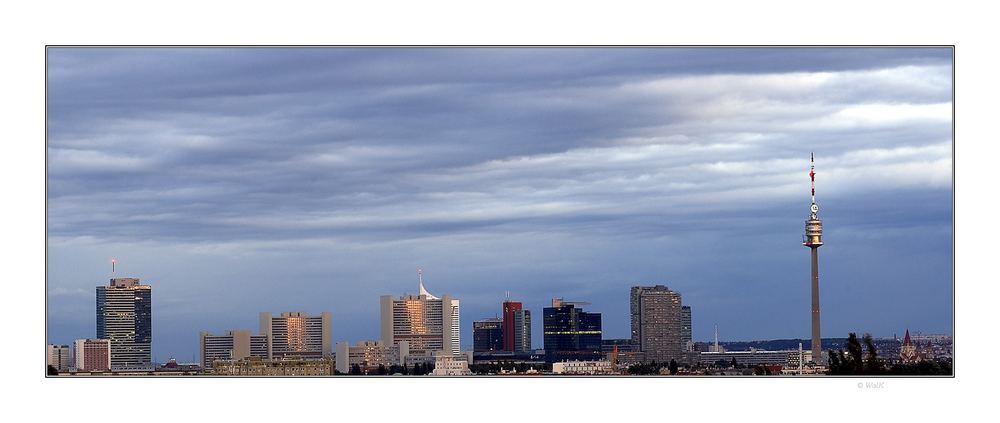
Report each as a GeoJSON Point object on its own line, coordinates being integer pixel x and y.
{"type": "Point", "coordinates": [509, 309]}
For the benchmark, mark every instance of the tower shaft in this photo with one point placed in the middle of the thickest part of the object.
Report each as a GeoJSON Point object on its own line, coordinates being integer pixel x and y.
{"type": "Point", "coordinates": [816, 340]}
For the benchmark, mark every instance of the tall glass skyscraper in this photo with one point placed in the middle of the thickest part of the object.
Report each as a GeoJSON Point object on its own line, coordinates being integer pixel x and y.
{"type": "Point", "coordinates": [571, 333]}
{"type": "Point", "coordinates": [125, 318]}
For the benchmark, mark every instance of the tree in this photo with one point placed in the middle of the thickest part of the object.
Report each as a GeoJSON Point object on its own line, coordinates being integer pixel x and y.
{"type": "Point", "coordinates": [873, 365]}
{"type": "Point", "coordinates": [355, 369]}
{"type": "Point", "coordinates": [834, 363]}
{"type": "Point", "coordinates": [854, 351]}
{"type": "Point", "coordinates": [381, 369]}
{"type": "Point", "coordinates": [734, 363]}
{"type": "Point", "coordinates": [673, 367]}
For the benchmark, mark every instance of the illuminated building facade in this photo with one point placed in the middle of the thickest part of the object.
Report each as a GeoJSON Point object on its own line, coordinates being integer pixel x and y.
{"type": "Point", "coordinates": [297, 335]}
{"type": "Point", "coordinates": [92, 355]}
{"type": "Point", "coordinates": [233, 345]}
{"type": "Point", "coordinates": [427, 323]}
{"type": "Point", "coordinates": [125, 318]}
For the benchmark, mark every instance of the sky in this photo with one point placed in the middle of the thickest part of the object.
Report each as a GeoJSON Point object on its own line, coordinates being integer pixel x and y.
{"type": "Point", "coordinates": [241, 180]}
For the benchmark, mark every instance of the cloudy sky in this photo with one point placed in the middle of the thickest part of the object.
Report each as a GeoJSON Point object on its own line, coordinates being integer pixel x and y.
{"type": "Point", "coordinates": [236, 181]}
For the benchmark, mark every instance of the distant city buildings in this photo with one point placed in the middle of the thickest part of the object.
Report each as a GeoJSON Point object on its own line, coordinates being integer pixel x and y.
{"type": "Point", "coordinates": [59, 357]}
{"type": "Point", "coordinates": [92, 355]}
{"type": "Point", "coordinates": [233, 345]}
{"type": "Point", "coordinates": [658, 322]}
{"type": "Point", "coordinates": [296, 335]}
{"type": "Point", "coordinates": [124, 317]}
{"type": "Point", "coordinates": [487, 335]}
{"type": "Point", "coordinates": [571, 333]}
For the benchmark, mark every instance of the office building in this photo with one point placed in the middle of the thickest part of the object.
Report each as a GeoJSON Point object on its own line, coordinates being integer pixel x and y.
{"type": "Point", "coordinates": [92, 355]}
{"type": "Point", "coordinates": [297, 335]}
{"type": "Point", "coordinates": [571, 333]}
{"type": "Point", "coordinates": [487, 335]}
{"type": "Point", "coordinates": [657, 322]}
{"type": "Point", "coordinates": [125, 318]}
{"type": "Point", "coordinates": [516, 327]}
{"type": "Point", "coordinates": [427, 323]}
{"type": "Point", "coordinates": [233, 345]}
{"type": "Point", "coordinates": [59, 357]}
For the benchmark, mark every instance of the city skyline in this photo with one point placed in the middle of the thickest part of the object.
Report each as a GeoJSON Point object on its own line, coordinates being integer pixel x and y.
{"type": "Point", "coordinates": [624, 167]}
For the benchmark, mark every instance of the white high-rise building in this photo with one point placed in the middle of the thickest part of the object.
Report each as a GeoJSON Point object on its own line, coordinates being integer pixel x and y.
{"type": "Point", "coordinates": [427, 323]}
{"type": "Point", "coordinates": [58, 356]}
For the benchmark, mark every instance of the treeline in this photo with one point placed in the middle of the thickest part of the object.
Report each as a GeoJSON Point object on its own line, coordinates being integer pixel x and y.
{"type": "Point", "coordinates": [497, 367]}
{"type": "Point", "coordinates": [866, 361]}
{"type": "Point", "coordinates": [417, 370]}
{"type": "Point", "coordinates": [653, 368]}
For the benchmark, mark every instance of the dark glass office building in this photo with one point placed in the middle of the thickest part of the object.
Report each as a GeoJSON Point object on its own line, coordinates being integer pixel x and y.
{"type": "Point", "coordinates": [487, 335]}
{"type": "Point", "coordinates": [125, 317]}
{"type": "Point", "coordinates": [571, 333]}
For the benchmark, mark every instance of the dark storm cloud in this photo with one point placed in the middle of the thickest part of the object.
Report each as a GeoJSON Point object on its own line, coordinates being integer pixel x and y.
{"type": "Point", "coordinates": [562, 163]}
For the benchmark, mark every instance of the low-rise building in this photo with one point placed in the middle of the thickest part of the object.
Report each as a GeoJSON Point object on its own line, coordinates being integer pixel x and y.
{"type": "Point", "coordinates": [253, 366]}
{"type": "Point", "coordinates": [92, 355]}
{"type": "Point", "coordinates": [446, 364]}
{"type": "Point", "coordinates": [583, 368]}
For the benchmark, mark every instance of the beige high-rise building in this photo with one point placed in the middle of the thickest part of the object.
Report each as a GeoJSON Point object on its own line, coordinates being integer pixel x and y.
{"type": "Point", "coordinates": [297, 335]}
{"type": "Point", "coordinates": [657, 322]}
{"type": "Point", "coordinates": [427, 323]}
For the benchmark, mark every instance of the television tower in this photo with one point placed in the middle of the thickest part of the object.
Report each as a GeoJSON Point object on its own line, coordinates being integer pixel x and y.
{"type": "Point", "coordinates": [814, 239]}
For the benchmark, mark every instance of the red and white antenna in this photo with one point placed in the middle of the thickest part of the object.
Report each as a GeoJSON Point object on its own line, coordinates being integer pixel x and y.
{"type": "Point", "coordinates": [812, 176]}
{"type": "Point", "coordinates": [113, 261]}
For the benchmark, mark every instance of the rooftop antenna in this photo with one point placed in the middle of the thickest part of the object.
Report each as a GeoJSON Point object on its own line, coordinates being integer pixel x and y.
{"type": "Point", "coordinates": [113, 261]}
